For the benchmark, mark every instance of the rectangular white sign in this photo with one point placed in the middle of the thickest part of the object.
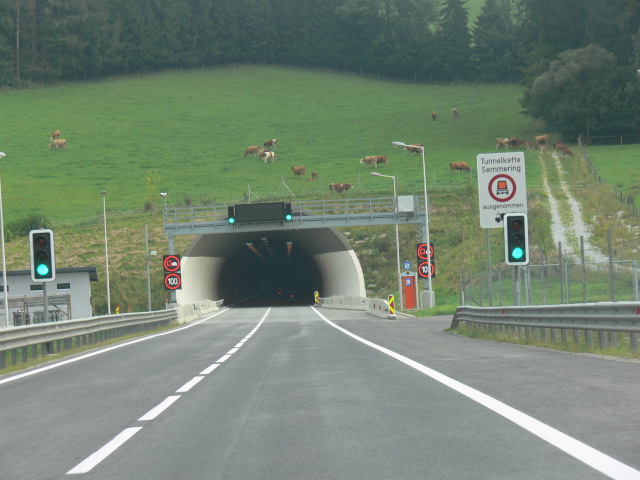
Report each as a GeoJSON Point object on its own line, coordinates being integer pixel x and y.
{"type": "Point", "coordinates": [502, 186]}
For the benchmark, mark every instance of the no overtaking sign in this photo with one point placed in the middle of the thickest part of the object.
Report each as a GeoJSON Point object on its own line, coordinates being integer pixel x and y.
{"type": "Point", "coordinates": [502, 186]}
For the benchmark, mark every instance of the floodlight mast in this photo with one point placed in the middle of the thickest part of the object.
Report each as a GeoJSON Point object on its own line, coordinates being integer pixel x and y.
{"type": "Point", "coordinates": [426, 211]}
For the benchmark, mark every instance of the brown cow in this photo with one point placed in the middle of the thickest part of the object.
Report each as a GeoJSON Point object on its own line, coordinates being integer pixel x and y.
{"type": "Point", "coordinates": [455, 113]}
{"type": "Point", "coordinates": [381, 159]}
{"type": "Point", "coordinates": [251, 150]}
{"type": "Point", "coordinates": [369, 161]}
{"type": "Point", "coordinates": [530, 145]}
{"type": "Point", "coordinates": [559, 147]}
{"type": "Point", "coordinates": [314, 176]}
{"type": "Point", "coordinates": [462, 166]}
{"type": "Point", "coordinates": [414, 148]}
{"type": "Point", "coordinates": [502, 141]}
{"type": "Point", "coordinates": [434, 117]}
{"type": "Point", "coordinates": [340, 187]}
{"type": "Point", "coordinates": [544, 149]}
{"type": "Point", "coordinates": [55, 135]}
{"type": "Point", "coordinates": [540, 139]}
{"type": "Point", "coordinates": [299, 171]}
{"type": "Point", "coordinates": [566, 151]}
{"type": "Point", "coordinates": [60, 143]}
{"type": "Point", "coordinates": [271, 143]}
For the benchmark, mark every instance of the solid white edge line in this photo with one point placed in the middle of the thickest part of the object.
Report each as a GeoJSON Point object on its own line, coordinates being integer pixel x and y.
{"type": "Point", "coordinates": [189, 385]}
{"type": "Point", "coordinates": [581, 451]}
{"type": "Point", "coordinates": [209, 369]}
{"type": "Point", "coordinates": [94, 459]}
{"type": "Point", "coordinates": [107, 349]}
{"type": "Point", "coordinates": [157, 410]}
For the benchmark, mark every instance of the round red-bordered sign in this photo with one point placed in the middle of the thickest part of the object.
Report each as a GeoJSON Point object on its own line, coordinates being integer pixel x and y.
{"type": "Point", "coordinates": [171, 263]}
{"type": "Point", "coordinates": [506, 199]}
{"type": "Point", "coordinates": [172, 281]}
{"type": "Point", "coordinates": [425, 252]}
{"type": "Point", "coordinates": [426, 269]}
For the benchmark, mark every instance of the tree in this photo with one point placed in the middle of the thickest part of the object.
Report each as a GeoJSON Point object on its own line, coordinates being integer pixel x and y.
{"type": "Point", "coordinates": [454, 40]}
{"type": "Point", "coordinates": [494, 43]}
{"type": "Point", "coordinates": [586, 91]}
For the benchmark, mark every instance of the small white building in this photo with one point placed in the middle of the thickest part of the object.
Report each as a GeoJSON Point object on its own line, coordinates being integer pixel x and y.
{"type": "Point", "coordinates": [69, 295]}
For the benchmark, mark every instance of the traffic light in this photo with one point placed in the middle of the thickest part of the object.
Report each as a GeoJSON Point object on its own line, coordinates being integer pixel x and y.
{"type": "Point", "coordinates": [43, 263]}
{"type": "Point", "coordinates": [287, 212]}
{"type": "Point", "coordinates": [516, 239]}
{"type": "Point", "coordinates": [231, 214]}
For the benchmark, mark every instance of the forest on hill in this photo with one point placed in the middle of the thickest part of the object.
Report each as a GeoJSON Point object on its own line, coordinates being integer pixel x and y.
{"type": "Point", "coordinates": [45, 41]}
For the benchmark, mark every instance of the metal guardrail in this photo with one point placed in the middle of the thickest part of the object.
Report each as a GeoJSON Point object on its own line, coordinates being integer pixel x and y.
{"type": "Point", "coordinates": [84, 331]}
{"type": "Point", "coordinates": [606, 317]}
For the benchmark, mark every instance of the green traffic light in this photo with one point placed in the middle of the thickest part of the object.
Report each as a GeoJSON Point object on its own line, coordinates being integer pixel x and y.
{"type": "Point", "coordinates": [517, 253]}
{"type": "Point", "coordinates": [232, 220]}
{"type": "Point", "coordinates": [288, 217]}
{"type": "Point", "coordinates": [42, 270]}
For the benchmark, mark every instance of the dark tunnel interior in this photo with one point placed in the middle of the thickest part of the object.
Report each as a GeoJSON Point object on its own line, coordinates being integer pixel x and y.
{"type": "Point", "coordinates": [269, 270]}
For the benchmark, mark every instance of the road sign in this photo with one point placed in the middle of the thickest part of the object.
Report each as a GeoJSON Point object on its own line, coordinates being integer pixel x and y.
{"type": "Point", "coordinates": [407, 265]}
{"type": "Point", "coordinates": [425, 252]}
{"type": "Point", "coordinates": [426, 270]}
{"type": "Point", "coordinates": [171, 263]}
{"type": "Point", "coordinates": [502, 186]}
{"type": "Point", "coordinates": [172, 281]}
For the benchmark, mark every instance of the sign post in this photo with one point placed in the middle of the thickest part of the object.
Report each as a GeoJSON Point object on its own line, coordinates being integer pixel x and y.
{"type": "Point", "coordinates": [502, 186]}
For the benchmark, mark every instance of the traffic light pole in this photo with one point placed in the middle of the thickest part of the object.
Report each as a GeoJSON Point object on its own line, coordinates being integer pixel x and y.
{"type": "Point", "coordinates": [46, 303]}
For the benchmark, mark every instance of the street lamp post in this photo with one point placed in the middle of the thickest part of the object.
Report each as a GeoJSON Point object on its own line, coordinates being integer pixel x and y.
{"type": "Point", "coordinates": [395, 196]}
{"type": "Point", "coordinates": [432, 300]}
{"type": "Point", "coordinates": [106, 251]}
{"type": "Point", "coordinates": [4, 263]}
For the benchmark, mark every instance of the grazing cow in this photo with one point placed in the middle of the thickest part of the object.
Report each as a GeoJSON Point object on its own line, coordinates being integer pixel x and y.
{"type": "Point", "coordinates": [271, 143]}
{"type": "Point", "coordinates": [269, 155]}
{"type": "Point", "coordinates": [462, 166]}
{"type": "Point", "coordinates": [251, 150]}
{"type": "Point", "coordinates": [544, 149]}
{"type": "Point", "coordinates": [540, 139]}
{"type": "Point", "coordinates": [381, 159]}
{"type": "Point", "coordinates": [263, 152]}
{"type": "Point", "coordinates": [513, 141]}
{"type": "Point", "coordinates": [314, 176]}
{"type": "Point", "coordinates": [369, 161]}
{"type": "Point", "coordinates": [556, 143]}
{"type": "Point", "coordinates": [530, 145]}
{"type": "Point", "coordinates": [414, 148]}
{"type": "Point", "coordinates": [55, 135]}
{"type": "Point", "coordinates": [434, 117]}
{"type": "Point", "coordinates": [455, 113]}
{"type": "Point", "coordinates": [502, 141]}
{"type": "Point", "coordinates": [340, 187]}
{"type": "Point", "coordinates": [559, 147]}
{"type": "Point", "coordinates": [566, 151]}
{"type": "Point", "coordinates": [299, 171]}
{"type": "Point", "coordinates": [60, 143]}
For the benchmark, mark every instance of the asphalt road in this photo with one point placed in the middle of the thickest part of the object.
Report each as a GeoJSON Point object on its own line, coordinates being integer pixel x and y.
{"type": "Point", "coordinates": [295, 392]}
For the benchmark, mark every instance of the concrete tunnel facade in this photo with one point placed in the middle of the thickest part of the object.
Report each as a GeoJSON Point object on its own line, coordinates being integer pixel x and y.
{"type": "Point", "coordinates": [241, 266]}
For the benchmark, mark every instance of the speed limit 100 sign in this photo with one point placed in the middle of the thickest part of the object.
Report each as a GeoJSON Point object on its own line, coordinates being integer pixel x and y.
{"type": "Point", "coordinates": [173, 281]}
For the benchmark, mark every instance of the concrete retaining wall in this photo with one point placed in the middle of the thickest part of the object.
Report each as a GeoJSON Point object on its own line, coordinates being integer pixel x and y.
{"type": "Point", "coordinates": [193, 311]}
{"type": "Point", "coordinates": [373, 306]}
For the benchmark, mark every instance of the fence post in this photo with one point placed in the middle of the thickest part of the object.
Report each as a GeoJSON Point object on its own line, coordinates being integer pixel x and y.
{"type": "Point", "coordinates": [613, 296]}
{"type": "Point", "coordinates": [544, 293]}
{"type": "Point", "coordinates": [470, 287]}
{"type": "Point", "coordinates": [480, 274]}
{"type": "Point", "coordinates": [560, 268]}
{"type": "Point", "coordinates": [635, 280]}
{"type": "Point", "coordinates": [490, 280]}
{"type": "Point", "coordinates": [566, 274]}
{"type": "Point", "coordinates": [500, 282]}
{"type": "Point", "coordinates": [584, 272]}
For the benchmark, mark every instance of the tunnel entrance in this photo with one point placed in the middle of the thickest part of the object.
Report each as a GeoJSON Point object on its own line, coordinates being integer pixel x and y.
{"type": "Point", "coordinates": [268, 269]}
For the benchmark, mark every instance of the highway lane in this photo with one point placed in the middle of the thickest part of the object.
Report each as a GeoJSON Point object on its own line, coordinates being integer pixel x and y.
{"type": "Point", "coordinates": [301, 399]}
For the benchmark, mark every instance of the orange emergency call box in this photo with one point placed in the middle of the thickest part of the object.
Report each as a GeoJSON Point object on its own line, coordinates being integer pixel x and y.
{"type": "Point", "coordinates": [410, 290]}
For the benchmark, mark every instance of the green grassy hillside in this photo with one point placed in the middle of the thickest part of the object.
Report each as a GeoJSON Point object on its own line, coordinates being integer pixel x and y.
{"type": "Point", "coordinates": [190, 129]}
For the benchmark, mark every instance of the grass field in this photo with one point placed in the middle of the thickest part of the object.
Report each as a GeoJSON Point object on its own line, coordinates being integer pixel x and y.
{"type": "Point", "coordinates": [619, 165]}
{"type": "Point", "coordinates": [190, 129]}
